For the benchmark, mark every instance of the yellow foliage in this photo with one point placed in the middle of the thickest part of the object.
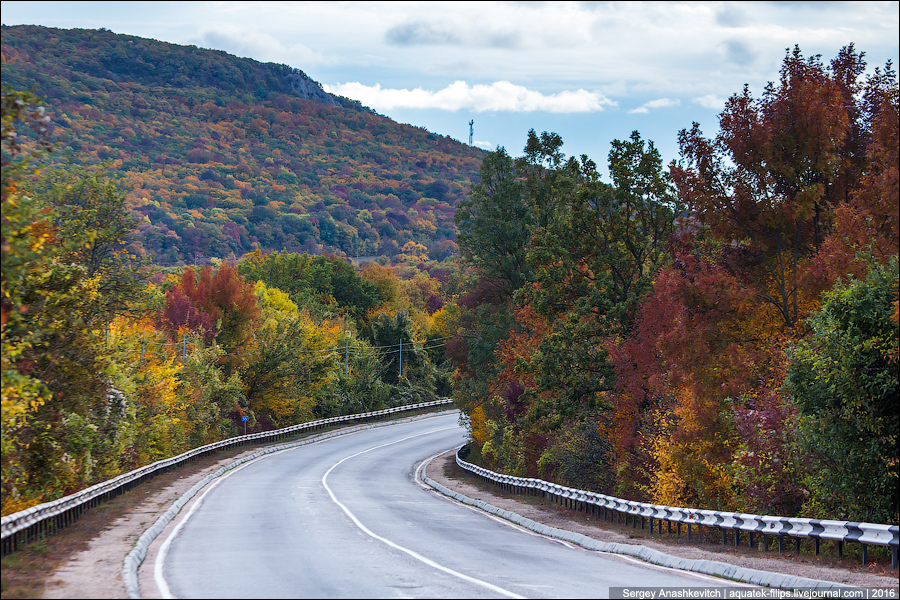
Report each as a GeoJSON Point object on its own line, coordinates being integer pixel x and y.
{"type": "Point", "coordinates": [443, 322]}
{"type": "Point", "coordinates": [480, 433]}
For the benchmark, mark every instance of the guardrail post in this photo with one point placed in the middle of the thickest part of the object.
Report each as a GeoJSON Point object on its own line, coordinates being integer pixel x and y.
{"type": "Point", "coordinates": [754, 547]}
{"type": "Point", "coordinates": [840, 549]}
{"type": "Point", "coordinates": [765, 543]}
{"type": "Point", "coordinates": [797, 545]}
{"type": "Point", "coordinates": [894, 557]}
{"type": "Point", "coordinates": [780, 544]}
{"type": "Point", "coordinates": [737, 537]}
{"type": "Point", "coordinates": [817, 546]}
{"type": "Point", "coordinates": [865, 554]}
{"type": "Point", "coordinates": [723, 536]}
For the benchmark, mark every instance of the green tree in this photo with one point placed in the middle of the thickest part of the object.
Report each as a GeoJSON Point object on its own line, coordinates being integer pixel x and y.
{"type": "Point", "coordinates": [320, 284]}
{"type": "Point", "coordinates": [66, 275]}
{"type": "Point", "coordinates": [593, 263]}
{"type": "Point", "coordinates": [495, 223]}
{"type": "Point", "coordinates": [405, 362]}
{"type": "Point", "coordinates": [844, 378]}
{"type": "Point", "coordinates": [27, 229]}
{"type": "Point", "coordinates": [95, 226]}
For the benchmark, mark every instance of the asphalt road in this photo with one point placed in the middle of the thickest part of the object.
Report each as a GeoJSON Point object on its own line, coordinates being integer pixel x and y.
{"type": "Point", "coordinates": [345, 518]}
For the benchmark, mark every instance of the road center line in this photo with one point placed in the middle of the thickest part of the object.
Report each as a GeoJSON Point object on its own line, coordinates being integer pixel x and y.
{"type": "Point", "coordinates": [396, 546]}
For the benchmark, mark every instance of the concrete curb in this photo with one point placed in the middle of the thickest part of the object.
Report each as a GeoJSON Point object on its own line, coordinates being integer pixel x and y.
{"type": "Point", "coordinates": [134, 559]}
{"type": "Point", "coordinates": [707, 567]}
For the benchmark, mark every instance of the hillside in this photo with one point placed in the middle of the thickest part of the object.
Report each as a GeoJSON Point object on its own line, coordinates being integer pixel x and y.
{"type": "Point", "coordinates": [223, 154]}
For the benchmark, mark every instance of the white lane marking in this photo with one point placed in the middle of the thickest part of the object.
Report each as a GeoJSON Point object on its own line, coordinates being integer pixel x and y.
{"type": "Point", "coordinates": [163, 551]}
{"type": "Point", "coordinates": [396, 546]}
{"type": "Point", "coordinates": [424, 464]}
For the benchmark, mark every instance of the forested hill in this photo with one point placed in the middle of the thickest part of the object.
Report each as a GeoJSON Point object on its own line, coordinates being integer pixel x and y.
{"type": "Point", "coordinates": [223, 154]}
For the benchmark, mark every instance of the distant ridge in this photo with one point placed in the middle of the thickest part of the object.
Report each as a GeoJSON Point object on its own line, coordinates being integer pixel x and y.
{"type": "Point", "coordinates": [225, 155]}
{"type": "Point", "coordinates": [154, 63]}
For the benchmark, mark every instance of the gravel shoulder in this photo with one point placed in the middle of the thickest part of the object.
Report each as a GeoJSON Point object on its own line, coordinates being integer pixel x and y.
{"type": "Point", "coordinates": [445, 471]}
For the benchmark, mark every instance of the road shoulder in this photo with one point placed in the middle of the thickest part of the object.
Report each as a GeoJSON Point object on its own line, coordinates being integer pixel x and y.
{"type": "Point", "coordinates": [444, 471]}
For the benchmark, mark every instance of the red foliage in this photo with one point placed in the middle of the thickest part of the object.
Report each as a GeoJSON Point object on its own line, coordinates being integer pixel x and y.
{"type": "Point", "coordinates": [178, 312]}
{"type": "Point", "coordinates": [767, 471]}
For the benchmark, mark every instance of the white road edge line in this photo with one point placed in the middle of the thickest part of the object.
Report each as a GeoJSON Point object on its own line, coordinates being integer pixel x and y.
{"type": "Point", "coordinates": [396, 546]}
{"type": "Point", "coordinates": [164, 548]}
{"type": "Point", "coordinates": [161, 554]}
{"type": "Point", "coordinates": [517, 527]}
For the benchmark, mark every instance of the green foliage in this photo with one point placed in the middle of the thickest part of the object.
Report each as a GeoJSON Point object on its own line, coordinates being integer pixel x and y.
{"type": "Point", "coordinates": [94, 227]}
{"type": "Point", "coordinates": [495, 222]}
{"type": "Point", "coordinates": [581, 458]}
{"type": "Point", "coordinates": [844, 378]}
{"type": "Point", "coordinates": [26, 231]}
{"type": "Point", "coordinates": [402, 357]}
{"type": "Point", "coordinates": [562, 262]}
{"type": "Point", "coordinates": [66, 299]}
{"type": "Point", "coordinates": [313, 282]}
{"type": "Point", "coordinates": [210, 395]}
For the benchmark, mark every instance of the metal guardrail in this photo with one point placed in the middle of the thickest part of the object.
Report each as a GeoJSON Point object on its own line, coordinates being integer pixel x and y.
{"type": "Point", "coordinates": [736, 523]}
{"type": "Point", "coordinates": [40, 520]}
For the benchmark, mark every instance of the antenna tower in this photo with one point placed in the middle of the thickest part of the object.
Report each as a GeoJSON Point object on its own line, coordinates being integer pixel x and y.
{"type": "Point", "coordinates": [471, 130]}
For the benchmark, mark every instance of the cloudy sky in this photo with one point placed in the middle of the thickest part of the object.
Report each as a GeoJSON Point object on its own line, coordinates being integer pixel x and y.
{"type": "Point", "coordinates": [590, 71]}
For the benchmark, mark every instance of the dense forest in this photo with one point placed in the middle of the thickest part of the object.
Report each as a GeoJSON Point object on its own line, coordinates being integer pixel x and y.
{"type": "Point", "coordinates": [721, 333]}
{"type": "Point", "coordinates": [223, 155]}
{"type": "Point", "coordinates": [115, 352]}
{"type": "Point", "coordinates": [109, 364]}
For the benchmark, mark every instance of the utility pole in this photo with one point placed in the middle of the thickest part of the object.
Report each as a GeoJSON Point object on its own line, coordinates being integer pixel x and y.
{"type": "Point", "coordinates": [400, 373]}
{"type": "Point", "coordinates": [471, 130]}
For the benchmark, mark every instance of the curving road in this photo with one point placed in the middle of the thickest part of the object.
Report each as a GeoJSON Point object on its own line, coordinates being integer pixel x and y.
{"type": "Point", "coordinates": [345, 518]}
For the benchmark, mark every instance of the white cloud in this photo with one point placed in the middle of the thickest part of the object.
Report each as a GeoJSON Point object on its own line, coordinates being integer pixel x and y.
{"type": "Point", "coordinates": [662, 103]}
{"type": "Point", "coordinates": [483, 145]}
{"type": "Point", "coordinates": [710, 101]}
{"type": "Point", "coordinates": [251, 42]}
{"type": "Point", "coordinates": [500, 96]}
{"type": "Point", "coordinates": [659, 103]}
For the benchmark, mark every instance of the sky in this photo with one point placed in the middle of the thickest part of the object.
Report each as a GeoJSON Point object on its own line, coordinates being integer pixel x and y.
{"type": "Point", "coordinates": [590, 71]}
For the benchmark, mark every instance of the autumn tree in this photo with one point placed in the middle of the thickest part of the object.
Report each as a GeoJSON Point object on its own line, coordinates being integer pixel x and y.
{"type": "Point", "coordinates": [66, 275]}
{"type": "Point", "coordinates": [767, 181]}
